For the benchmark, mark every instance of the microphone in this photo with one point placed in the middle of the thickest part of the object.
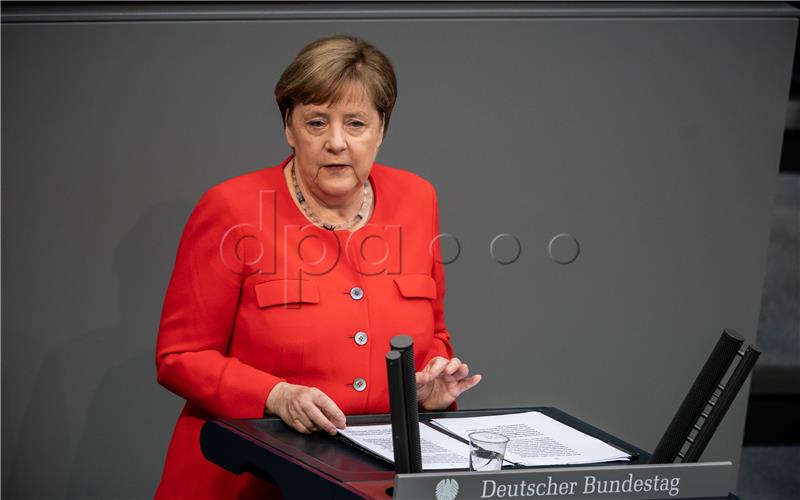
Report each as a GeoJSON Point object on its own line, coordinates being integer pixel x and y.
{"type": "Point", "coordinates": [404, 345]}
{"type": "Point", "coordinates": [394, 370]}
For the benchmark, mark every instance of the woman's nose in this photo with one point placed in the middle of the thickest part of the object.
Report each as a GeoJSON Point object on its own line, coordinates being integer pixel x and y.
{"type": "Point", "coordinates": [337, 140]}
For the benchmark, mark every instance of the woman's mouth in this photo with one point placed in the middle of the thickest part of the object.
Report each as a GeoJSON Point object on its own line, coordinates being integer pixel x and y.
{"type": "Point", "coordinates": [336, 166]}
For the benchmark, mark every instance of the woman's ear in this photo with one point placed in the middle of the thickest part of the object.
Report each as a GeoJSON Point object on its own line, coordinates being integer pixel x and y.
{"type": "Point", "coordinates": [287, 129]}
{"type": "Point", "coordinates": [289, 136]}
{"type": "Point", "coordinates": [380, 136]}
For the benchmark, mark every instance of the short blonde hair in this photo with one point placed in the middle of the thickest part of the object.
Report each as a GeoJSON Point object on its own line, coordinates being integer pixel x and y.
{"type": "Point", "coordinates": [326, 69]}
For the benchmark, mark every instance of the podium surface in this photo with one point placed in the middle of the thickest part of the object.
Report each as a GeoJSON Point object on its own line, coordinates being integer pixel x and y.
{"type": "Point", "coordinates": [321, 465]}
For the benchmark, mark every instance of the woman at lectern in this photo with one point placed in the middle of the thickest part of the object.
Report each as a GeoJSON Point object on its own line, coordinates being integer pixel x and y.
{"type": "Point", "coordinates": [289, 281]}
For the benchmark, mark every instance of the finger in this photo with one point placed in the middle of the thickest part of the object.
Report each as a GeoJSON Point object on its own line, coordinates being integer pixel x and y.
{"type": "Point", "coordinates": [456, 373]}
{"type": "Point", "coordinates": [314, 413]}
{"type": "Point", "coordinates": [452, 366]}
{"type": "Point", "coordinates": [320, 421]}
{"type": "Point", "coordinates": [302, 424]}
{"type": "Point", "coordinates": [435, 362]}
{"type": "Point", "coordinates": [310, 415]}
{"type": "Point", "coordinates": [299, 415]}
{"type": "Point", "coordinates": [461, 372]}
{"type": "Point", "coordinates": [423, 378]}
{"type": "Point", "coordinates": [298, 426]}
{"type": "Point", "coordinates": [331, 411]}
{"type": "Point", "coordinates": [338, 421]}
{"type": "Point", "coordinates": [468, 383]}
{"type": "Point", "coordinates": [435, 367]}
{"type": "Point", "coordinates": [425, 388]}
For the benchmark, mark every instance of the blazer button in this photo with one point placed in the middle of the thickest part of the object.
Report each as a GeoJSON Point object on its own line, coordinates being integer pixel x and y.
{"type": "Point", "coordinates": [356, 293]}
{"type": "Point", "coordinates": [361, 338]}
{"type": "Point", "coordinates": [359, 384]}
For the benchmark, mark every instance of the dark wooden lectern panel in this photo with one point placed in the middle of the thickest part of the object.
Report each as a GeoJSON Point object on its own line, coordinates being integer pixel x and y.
{"type": "Point", "coordinates": [320, 465]}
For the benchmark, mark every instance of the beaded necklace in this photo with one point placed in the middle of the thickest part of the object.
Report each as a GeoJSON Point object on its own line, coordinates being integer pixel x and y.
{"type": "Point", "coordinates": [362, 212]}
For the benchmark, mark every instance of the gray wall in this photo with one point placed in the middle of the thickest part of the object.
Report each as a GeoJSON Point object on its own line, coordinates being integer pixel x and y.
{"type": "Point", "coordinates": [653, 140]}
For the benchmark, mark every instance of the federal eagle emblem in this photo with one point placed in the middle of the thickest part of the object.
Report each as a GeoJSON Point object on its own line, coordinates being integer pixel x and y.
{"type": "Point", "coordinates": [447, 489]}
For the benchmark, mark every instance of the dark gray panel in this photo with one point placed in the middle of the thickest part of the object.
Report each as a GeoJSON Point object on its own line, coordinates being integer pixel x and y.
{"type": "Point", "coordinates": [654, 142]}
{"type": "Point", "coordinates": [22, 12]}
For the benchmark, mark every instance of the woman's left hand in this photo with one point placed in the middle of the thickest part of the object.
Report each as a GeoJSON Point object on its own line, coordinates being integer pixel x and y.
{"type": "Point", "coordinates": [442, 381]}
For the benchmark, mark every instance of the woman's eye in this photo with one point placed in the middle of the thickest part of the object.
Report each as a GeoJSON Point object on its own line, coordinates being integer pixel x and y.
{"type": "Point", "coordinates": [316, 123]}
{"type": "Point", "coordinates": [357, 124]}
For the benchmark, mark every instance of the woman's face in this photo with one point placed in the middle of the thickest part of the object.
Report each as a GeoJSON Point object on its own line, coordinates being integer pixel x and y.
{"type": "Point", "coordinates": [335, 145]}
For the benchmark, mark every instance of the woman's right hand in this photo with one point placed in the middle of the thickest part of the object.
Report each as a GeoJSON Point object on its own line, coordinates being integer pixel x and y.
{"type": "Point", "coordinates": [306, 409]}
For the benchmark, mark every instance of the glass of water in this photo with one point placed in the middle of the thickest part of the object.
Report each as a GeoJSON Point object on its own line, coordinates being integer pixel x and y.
{"type": "Point", "coordinates": [486, 450]}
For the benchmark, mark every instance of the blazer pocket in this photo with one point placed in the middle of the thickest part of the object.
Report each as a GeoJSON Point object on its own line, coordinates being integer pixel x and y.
{"type": "Point", "coordinates": [414, 286]}
{"type": "Point", "coordinates": [278, 292]}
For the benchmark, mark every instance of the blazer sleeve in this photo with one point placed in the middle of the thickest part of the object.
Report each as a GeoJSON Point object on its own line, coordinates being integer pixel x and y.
{"type": "Point", "coordinates": [198, 318]}
{"type": "Point", "coordinates": [441, 344]}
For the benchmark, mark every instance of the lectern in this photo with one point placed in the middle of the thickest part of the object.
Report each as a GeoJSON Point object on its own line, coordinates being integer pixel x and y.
{"type": "Point", "coordinates": [320, 466]}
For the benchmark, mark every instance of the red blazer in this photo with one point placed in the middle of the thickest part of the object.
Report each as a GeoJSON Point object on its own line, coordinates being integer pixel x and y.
{"type": "Point", "coordinates": [259, 296]}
